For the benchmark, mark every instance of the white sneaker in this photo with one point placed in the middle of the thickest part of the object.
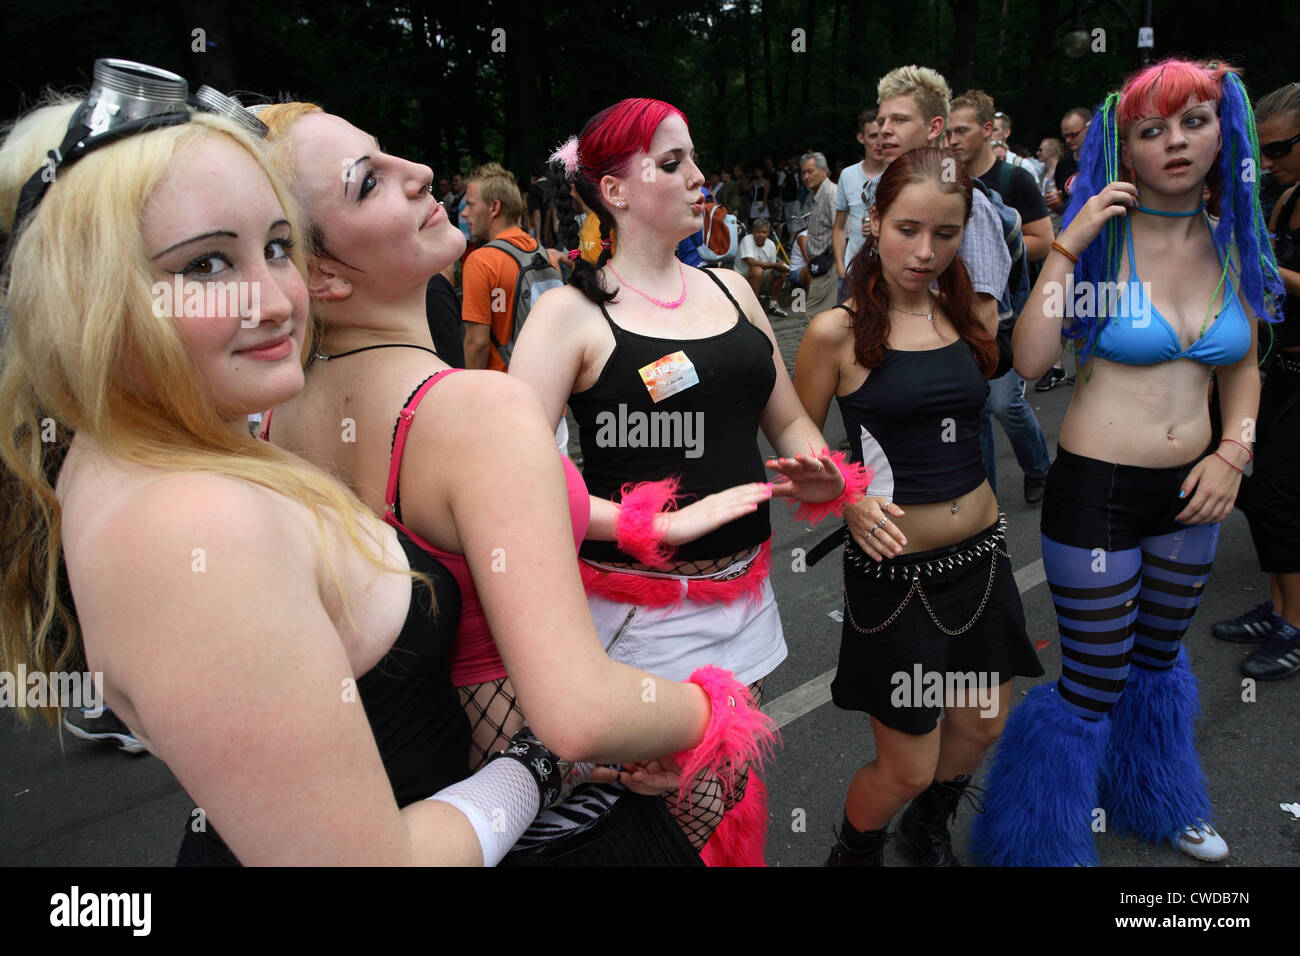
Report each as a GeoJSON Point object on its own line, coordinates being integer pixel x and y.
{"type": "Point", "coordinates": [1202, 842]}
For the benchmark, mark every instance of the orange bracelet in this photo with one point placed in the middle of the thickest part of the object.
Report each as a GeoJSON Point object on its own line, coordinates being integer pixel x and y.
{"type": "Point", "coordinates": [1250, 455]}
{"type": "Point", "coordinates": [1065, 252]}
{"type": "Point", "coordinates": [1240, 471]}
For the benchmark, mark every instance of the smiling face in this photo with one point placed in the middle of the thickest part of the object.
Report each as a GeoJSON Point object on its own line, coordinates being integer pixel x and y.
{"type": "Point", "coordinates": [918, 235]}
{"type": "Point", "coordinates": [662, 185]}
{"type": "Point", "coordinates": [374, 210]}
{"type": "Point", "coordinates": [215, 220]}
{"type": "Point", "coordinates": [903, 128]}
{"type": "Point", "coordinates": [1279, 127]}
{"type": "Point", "coordinates": [1172, 154]}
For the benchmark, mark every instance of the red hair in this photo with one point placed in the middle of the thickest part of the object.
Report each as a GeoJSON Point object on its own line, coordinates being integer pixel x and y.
{"type": "Point", "coordinates": [614, 135]}
{"type": "Point", "coordinates": [867, 289]}
{"type": "Point", "coordinates": [1166, 86]}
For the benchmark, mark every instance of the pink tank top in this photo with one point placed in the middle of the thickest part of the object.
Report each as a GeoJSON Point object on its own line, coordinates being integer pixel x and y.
{"type": "Point", "coordinates": [473, 658]}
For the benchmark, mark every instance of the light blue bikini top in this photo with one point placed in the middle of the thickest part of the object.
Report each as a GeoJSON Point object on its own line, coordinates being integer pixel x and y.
{"type": "Point", "coordinates": [1142, 336]}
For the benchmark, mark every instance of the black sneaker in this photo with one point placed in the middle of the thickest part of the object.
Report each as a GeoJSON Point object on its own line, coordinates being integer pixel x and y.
{"type": "Point", "coordinates": [1034, 488]}
{"type": "Point", "coordinates": [1255, 625]}
{"type": "Point", "coordinates": [101, 726]}
{"type": "Point", "coordinates": [1054, 377]}
{"type": "Point", "coordinates": [1278, 657]}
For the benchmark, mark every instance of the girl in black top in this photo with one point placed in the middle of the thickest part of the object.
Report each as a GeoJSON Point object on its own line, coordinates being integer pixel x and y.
{"type": "Point", "coordinates": [670, 372]}
{"type": "Point", "coordinates": [909, 368]}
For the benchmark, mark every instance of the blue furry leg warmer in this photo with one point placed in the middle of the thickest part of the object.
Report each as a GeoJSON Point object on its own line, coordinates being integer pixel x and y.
{"type": "Point", "coordinates": [1042, 787]}
{"type": "Point", "coordinates": [1152, 784]}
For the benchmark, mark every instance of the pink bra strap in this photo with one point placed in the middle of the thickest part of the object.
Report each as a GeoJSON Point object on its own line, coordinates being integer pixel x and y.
{"type": "Point", "coordinates": [265, 433]}
{"type": "Point", "coordinates": [404, 419]}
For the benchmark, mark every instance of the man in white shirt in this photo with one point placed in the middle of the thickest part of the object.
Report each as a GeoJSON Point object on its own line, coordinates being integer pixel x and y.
{"type": "Point", "coordinates": [756, 260]}
{"type": "Point", "coordinates": [854, 192]}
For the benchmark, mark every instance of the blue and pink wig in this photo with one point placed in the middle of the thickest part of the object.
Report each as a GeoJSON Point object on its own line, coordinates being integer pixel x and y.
{"type": "Point", "coordinates": [1166, 87]}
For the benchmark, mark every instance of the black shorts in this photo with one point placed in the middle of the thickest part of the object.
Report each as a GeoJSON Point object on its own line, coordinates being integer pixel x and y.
{"type": "Point", "coordinates": [1097, 504]}
{"type": "Point", "coordinates": [891, 674]}
{"type": "Point", "coordinates": [1270, 495]}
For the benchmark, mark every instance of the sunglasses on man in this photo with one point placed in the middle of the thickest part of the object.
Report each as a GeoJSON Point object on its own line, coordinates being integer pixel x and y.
{"type": "Point", "coordinates": [1279, 147]}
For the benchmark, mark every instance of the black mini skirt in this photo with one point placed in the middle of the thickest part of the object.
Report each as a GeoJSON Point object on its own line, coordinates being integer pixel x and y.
{"type": "Point", "coordinates": [946, 622]}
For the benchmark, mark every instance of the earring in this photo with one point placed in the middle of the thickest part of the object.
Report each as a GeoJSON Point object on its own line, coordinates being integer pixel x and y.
{"type": "Point", "coordinates": [874, 251]}
{"type": "Point", "coordinates": [621, 204]}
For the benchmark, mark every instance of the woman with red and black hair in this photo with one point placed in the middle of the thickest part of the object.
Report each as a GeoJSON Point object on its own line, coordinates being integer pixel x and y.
{"type": "Point", "coordinates": [933, 622]}
{"type": "Point", "coordinates": [670, 372]}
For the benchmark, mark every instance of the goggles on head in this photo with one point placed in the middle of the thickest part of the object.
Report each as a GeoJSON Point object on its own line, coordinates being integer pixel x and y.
{"type": "Point", "coordinates": [127, 98]}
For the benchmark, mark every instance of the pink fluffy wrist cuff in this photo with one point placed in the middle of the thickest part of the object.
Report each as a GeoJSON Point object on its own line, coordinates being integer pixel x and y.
{"type": "Point", "coordinates": [635, 531]}
{"type": "Point", "coordinates": [856, 479]}
{"type": "Point", "coordinates": [739, 734]}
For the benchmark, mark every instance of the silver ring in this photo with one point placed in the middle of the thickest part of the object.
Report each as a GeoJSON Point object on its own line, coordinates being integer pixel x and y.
{"type": "Point", "coordinates": [872, 532]}
{"type": "Point", "coordinates": [881, 522]}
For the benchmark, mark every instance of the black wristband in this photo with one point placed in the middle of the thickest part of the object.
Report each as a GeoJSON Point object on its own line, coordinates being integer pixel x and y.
{"type": "Point", "coordinates": [547, 769]}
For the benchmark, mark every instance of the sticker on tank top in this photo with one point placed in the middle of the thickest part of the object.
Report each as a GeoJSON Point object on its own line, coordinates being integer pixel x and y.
{"type": "Point", "coordinates": [669, 375]}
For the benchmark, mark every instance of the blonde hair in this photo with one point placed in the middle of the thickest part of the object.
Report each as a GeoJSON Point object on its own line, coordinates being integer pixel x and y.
{"type": "Point", "coordinates": [79, 300]}
{"type": "Point", "coordinates": [496, 184]}
{"type": "Point", "coordinates": [927, 88]}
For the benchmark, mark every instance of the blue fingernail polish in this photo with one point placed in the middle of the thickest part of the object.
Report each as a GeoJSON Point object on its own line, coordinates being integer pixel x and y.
{"type": "Point", "coordinates": [1182, 492]}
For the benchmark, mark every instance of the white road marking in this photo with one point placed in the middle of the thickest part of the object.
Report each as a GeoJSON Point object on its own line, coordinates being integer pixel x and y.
{"type": "Point", "coordinates": [808, 696]}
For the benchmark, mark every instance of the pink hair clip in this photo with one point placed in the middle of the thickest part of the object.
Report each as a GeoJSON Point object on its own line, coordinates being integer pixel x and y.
{"type": "Point", "coordinates": [568, 155]}
{"type": "Point", "coordinates": [573, 254]}
{"type": "Point", "coordinates": [606, 244]}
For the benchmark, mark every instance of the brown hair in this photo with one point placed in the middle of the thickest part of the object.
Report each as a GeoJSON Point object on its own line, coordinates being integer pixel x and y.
{"type": "Point", "coordinates": [868, 290]}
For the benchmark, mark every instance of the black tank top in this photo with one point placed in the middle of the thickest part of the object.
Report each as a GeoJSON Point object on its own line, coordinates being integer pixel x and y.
{"type": "Point", "coordinates": [916, 421]}
{"type": "Point", "coordinates": [705, 434]}
{"type": "Point", "coordinates": [1288, 331]}
{"type": "Point", "coordinates": [415, 714]}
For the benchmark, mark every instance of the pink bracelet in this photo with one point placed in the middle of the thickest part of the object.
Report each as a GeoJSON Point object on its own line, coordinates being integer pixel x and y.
{"type": "Point", "coordinates": [635, 531]}
{"type": "Point", "coordinates": [856, 480]}
{"type": "Point", "coordinates": [738, 734]}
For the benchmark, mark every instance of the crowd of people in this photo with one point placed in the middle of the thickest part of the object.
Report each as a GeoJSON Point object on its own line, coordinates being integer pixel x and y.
{"type": "Point", "coordinates": [564, 666]}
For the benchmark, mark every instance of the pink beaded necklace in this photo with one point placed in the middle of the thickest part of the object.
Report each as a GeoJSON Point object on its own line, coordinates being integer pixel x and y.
{"type": "Point", "coordinates": [659, 302]}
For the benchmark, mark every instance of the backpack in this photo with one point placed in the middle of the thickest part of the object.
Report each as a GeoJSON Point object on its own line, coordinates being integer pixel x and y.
{"type": "Point", "coordinates": [717, 240]}
{"type": "Point", "coordinates": [1016, 293]}
{"type": "Point", "coordinates": [536, 276]}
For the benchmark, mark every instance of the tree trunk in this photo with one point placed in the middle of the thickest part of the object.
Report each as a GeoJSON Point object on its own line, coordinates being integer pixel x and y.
{"type": "Point", "coordinates": [967, 16]}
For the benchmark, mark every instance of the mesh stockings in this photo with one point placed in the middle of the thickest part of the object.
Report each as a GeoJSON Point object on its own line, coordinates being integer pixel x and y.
{"type": "Point", "coordinates": [494, 716]}
{"type": "Point", "coordinates": [700, 814]}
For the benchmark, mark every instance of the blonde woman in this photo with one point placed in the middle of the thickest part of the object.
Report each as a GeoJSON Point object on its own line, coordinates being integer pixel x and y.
{"type": "Point", "coordinates": [235, 599]}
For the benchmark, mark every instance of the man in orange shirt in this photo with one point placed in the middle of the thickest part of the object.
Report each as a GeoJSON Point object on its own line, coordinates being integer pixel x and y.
{"type": "Point", "coordinates": [494, 208]}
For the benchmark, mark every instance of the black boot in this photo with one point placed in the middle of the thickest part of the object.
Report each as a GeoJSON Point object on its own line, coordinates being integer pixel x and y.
{"type": "Point", "coordinates": [854, 848]}
{"type": "Point", "coordinates": [923, 828]}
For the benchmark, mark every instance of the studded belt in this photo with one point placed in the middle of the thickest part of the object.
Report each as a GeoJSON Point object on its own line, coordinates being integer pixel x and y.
{"type": "Point", "coordinates": [990, 546]}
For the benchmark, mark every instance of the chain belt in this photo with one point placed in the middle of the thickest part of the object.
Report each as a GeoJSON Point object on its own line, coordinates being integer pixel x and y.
{"type": "Point", "coordinates": [990, 546]}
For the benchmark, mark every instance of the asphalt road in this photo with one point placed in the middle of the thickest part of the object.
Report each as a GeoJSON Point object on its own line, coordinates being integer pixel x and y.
{"type": "Point", "coordinates": [84, 805]}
